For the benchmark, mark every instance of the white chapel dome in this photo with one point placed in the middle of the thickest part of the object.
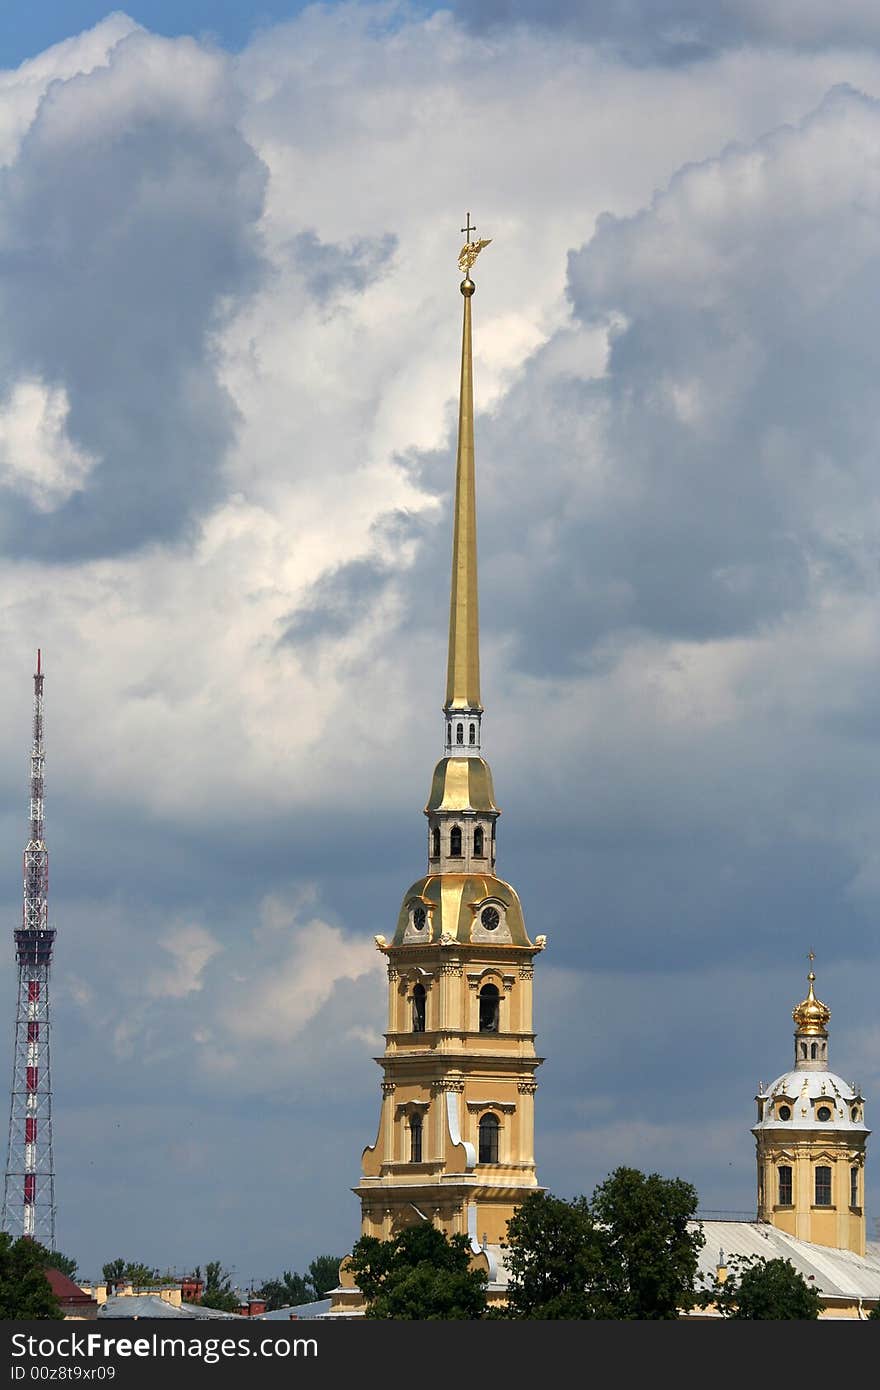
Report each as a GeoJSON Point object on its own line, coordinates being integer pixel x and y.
{"type": "Point", "coordinates": [814, 1100]}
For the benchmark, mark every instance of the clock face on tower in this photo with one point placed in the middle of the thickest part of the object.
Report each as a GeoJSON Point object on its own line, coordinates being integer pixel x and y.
{"type": "Point", "coordinates": [419, 918]}
{"type": "Point", "coordinates": [490, 918]}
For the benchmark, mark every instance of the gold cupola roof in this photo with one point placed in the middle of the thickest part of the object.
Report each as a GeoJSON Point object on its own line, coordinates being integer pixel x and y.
{"type": "Point", "coordinates": [811, 1015]}
{"type": "Point", "coordinates": [462, 784]}
{"type": "Point", "coordinates": [463, 667]}
{"type": "Point", "coordinates": [452, 912]}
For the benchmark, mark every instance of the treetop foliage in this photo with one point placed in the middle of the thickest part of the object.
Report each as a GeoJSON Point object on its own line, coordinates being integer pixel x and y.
{"type": "Point", "coordinates": [627, 1253]}
{"type": "Point", "coordinates": [24, 1288]}
{"type": "Point", "coordinates": [758, 1288]}
{"type": "Point", "coordinates": [218, 1288]}
{"type": "Point", "coordinates": [129, 1272]}
{"type": "Point", "coordinates": [420, 1274]}
{"type": "Point", "coordinates": [65, 1263]}
{"type": "Point", "coordinates": [289, 1289]}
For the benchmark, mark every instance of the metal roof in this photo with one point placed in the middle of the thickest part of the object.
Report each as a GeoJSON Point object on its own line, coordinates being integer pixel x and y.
{"type": "Point", "coordinates": [835, 1273]}
{"type": "Point", "coordinates": [150, 1305]}
{"type": "Point", "coordinates": [318, 1309]}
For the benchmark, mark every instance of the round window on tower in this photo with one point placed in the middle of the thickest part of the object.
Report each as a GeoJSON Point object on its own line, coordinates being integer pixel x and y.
{"type": "Point", "coordinates": [419, 918]}
{"type": "Point", "coordinates": [823, 1114]}
{"type": "Point", "coordinates": [785, 1112]}
{"type": "Point", "coordinates": [490, 917]}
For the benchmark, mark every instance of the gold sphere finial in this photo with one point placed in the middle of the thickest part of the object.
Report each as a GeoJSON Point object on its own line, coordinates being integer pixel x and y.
{"type": "Point", "coordinates": [467, 287]}
{"type": "Point", "coordinates": [811, 1015]}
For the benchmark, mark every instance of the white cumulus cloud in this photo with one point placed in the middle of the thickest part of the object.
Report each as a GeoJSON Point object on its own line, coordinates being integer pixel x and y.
{"type": "Point", "coordinates": [37, 457]}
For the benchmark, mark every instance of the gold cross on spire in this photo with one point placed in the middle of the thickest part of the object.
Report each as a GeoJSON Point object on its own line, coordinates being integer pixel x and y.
{"type": "Point", "coordinates": [471, 249]}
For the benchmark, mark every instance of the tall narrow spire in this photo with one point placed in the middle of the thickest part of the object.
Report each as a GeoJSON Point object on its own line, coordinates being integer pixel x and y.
{"type": "Point", "coordinates": [455, 1143]}
{"type": "Point", "coordinates": [463, 669]}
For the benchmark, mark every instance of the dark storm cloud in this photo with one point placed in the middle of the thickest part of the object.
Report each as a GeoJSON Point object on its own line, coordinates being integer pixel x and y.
{"type": "Point", "coordinates": [128, 220]}
{"type": "Point", "coordinates": [682, 31]}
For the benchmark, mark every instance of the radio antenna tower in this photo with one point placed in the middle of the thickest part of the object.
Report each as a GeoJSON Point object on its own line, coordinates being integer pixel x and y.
{"type": "Point", "coordinates": [29, 1190]}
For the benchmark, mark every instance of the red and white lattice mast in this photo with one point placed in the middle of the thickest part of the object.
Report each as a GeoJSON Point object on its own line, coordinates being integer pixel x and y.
{"type": "Point", "coordinates": [29, 1190]}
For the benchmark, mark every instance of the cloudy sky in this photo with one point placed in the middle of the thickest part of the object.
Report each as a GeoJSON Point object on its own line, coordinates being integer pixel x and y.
{"type": "Point", "coordinates": [229, 335]}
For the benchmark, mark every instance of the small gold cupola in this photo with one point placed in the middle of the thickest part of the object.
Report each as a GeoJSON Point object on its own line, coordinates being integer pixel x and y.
{"type": "Point", "coordinates": [811, 1015]}
{"type": "Point", "coordinates": [811, 1018]}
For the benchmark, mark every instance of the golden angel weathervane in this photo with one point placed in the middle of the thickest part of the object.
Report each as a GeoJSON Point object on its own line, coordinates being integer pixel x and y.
{"type": "Point", "coordinates": [471, 249]}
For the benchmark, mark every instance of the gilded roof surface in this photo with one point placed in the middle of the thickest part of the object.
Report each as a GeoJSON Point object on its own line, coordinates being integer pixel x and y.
{"type": "Point", "coordinates": [453, 903]}
{"type": "Point", "coordinates": [811, 1015]}
{"type": "Point", "coordinates": [462, 784]}
{"type": "Point", "coordinates": [463, 670]}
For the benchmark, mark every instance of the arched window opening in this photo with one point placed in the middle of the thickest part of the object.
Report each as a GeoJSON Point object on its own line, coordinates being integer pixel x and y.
{"type": "Point", "coordinates": [455, 842]}
{"type": "Point", "coordinates": [418, 1009]}
{"type": "Point", "coordinates": [814, 1051]}
{"type": "Point", "coordinates": [488, 1139]}
{"type": "Point", "coordinates": [854, 1187]}
{"type": "Point", "coordinates": [415, 1139]}
{"type": "Point", "coordinates": [784, 1172]}
{"type": "Point", "coordinates": [472, 737]}
{"type": "Point", "coordinates": [435, 842]}
{"type": "Point", "coordinates": [478, 842]}
{"type": "Point", "coordinates": [448, 733]}
{"type": "Point", "coordinates": [459, 733]}
{"type": "Point", "coordinates": [803, 1049]}
{"type": "Point", "coordinates": [823, 1186]}
{"type": "Point", "coordinates": [490, 1000]}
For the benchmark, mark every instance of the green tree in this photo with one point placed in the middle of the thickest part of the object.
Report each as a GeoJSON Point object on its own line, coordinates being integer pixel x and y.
{"type": "Point", "coordinates": [626, 1254]}
{"type": "Point", "coordinates": [218, 1288]}
{"type": "Point", "coordinates": [286, 1290]}
{"type": "Point", "coordinates": [650, 1254]}
{"type": "Point", "coordinates": [324, 1274]}
{"type": "Point", "coordinates": [24, 1288]}
{"type": "Point", "coordinates": [874, 1315]}
{"type": "Point", "coordinates": [420, 1274]}
{"type": "Point", "coordinates": [113, 1270]}
{"type": "Point", "coordinates": [129, 1272]}
{"type": "Point", "coordinates": [759, 1288]}
{"type": "Point", "coordinates": [554, 1259]}
{"type": "Point", "coordinates": [66, 1264]}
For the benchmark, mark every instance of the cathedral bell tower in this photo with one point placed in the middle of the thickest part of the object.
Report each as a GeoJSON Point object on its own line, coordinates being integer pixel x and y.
{"type": "Point", "coordinates": [811, 1137]}
{"type": "Point", "coordinates": [455, 1139]}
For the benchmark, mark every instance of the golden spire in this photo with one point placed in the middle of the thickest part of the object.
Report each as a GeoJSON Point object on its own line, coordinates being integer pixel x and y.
{"type": "Point", "coordinates": [463, 670]}
{"type": "Point", "coordinates": [811, 1015]}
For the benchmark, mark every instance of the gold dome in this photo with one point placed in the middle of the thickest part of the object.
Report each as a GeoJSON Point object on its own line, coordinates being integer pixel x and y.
{"type": "Point", "coordinates": [453, 904]}
{"type": "Point", "coordinates": [811, 1015]}
{"type": "Point", "coordinates": [462, 784]}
